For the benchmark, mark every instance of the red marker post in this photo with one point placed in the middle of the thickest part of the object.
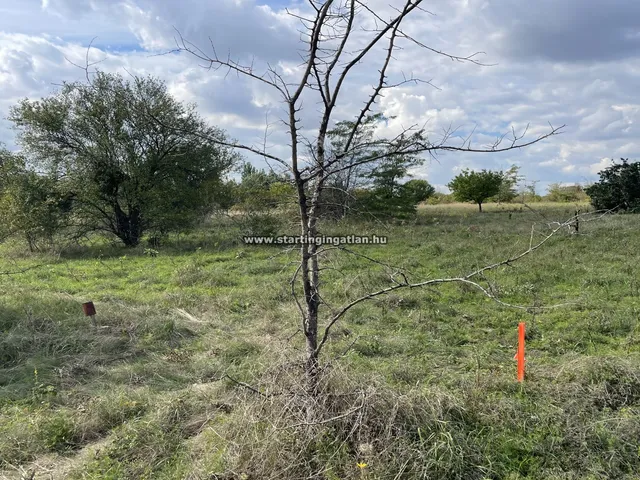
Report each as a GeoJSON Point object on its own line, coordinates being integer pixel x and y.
{"type": "Point", "coordinates": [520, 354]}
{"type": "Point", "coordinates": [89, 310]}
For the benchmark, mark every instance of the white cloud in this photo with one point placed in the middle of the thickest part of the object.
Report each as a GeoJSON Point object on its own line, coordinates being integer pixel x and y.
{"type": "Point", "coordinates": [594, 168]}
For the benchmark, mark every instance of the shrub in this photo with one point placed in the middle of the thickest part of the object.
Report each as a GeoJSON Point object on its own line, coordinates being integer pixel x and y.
{"type": "Point", "coordinates": [32, 205]}
{"type": "Point", "coordinates": [566, 193]}
{"type": "Point", "coordinates": [618, 187]}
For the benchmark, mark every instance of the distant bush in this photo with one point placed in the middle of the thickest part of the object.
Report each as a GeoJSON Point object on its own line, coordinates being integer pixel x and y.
{"type": "Point", "coordinates": [507, 191]}
{"type": "Point", "coordinates": [529, 198]}
{"type": "Point", "coordinates": [440, 198]}
{"type": "Point", "coordinates": [262, 201]}
{"type": "Point", "coordinates": [400, 202]}
{"type": "Point", "coordinates": [417, 191]}
{"type": "Point", "coordinates": [261, 224]}
{"type": "Point", "coordinates": [261, 191]}
{"type": "Point", "coordinates": [566, 193]}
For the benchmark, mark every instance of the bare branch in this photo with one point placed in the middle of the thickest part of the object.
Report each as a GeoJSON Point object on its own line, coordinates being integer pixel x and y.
{"type": "Point", "coordinates": [87, 63]}
{"type": "Point", "coordinates": [468, 58]}
{"type": "Point", "coordinates": [327, 29]}
{"type": "Point", "coordinates": [419, 146]}
{"type": "Point", "coordinates": [213, 62]}
{"type": "Point", "coordinates": [328, 420]}
{"type": "Point", "coordinates": [381, 80]}
{"type": "Point", "coordinates": [22, 270]}
{"type": "Point", "coordinates": [219, 141]}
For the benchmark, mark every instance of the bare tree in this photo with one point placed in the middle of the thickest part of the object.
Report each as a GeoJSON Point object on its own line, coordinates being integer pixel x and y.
{"type": "Point", "coordinates": [338, 35]}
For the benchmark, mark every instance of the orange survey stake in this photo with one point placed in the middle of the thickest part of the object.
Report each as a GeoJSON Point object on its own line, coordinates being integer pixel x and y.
{"type": "Point", "coordinates": [520, 354]}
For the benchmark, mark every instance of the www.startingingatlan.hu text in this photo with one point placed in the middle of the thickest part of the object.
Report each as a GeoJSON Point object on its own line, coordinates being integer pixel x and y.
{"type": "Point", "coordinates": [316, 240]}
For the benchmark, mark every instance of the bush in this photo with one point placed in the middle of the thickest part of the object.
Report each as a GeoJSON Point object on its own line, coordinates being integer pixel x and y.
{"type": "Point", "coordinates": [32, 205]}
{"type": "Point", "coordinates": [439, 198]}
{"type": "Point", "coordinates": [379, 203]}
{"type": "Point", "coordinates": [397, 202]}
{"type": "Point", "coordinates": [417, 191]}
{"type": "Point", "coordinates": [618, 187]}
{"type": "Point", "coordinates": [261, 191]}
{"type": "Point", "coordinates": [58, 433]}
{"type": "Point", "coordinates": [566, 193]}
{"type": "Point", "coordinates": [366, 431]}
{"type": "Point", "coordinates": [260, 224]}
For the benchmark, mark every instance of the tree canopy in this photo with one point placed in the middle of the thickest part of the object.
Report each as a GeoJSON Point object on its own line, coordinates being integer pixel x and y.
{"type": "Point", "coordinates": [470, 186]}
{"type": "Point", "coordinates": [367, 176]}
{"type": "Point", "coordinates": [618, 187]}
{"type": "Point", "coordinates": [418, 190]}
{"type": "Point", "coordinates": [131, 157]}
{"type": "Point", "coordinates": [510, 179]}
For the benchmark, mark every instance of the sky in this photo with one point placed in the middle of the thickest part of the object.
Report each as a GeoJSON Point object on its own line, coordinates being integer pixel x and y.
{"type": "Point", "coordinates": [573, 62]}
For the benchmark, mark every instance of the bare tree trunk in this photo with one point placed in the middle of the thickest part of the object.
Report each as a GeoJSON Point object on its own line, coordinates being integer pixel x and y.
{"type": "Point", "coordinates": [313, 303]}
{"type": "Point", "coordinates": [329, 62]}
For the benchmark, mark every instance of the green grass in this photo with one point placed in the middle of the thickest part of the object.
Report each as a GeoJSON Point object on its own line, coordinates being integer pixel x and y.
{"type": "Point", "coordinates": [146, 392]}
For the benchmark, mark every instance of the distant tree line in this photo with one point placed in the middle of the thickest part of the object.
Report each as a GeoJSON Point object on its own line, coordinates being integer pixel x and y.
{"type": "Point", "coordinates": [123, 158]}
{"type": "Point", "coordinates": [502, 187]}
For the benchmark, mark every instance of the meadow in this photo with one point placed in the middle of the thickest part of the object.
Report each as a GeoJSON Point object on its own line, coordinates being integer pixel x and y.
{"type": "Point", "coordinates": [181, 375]}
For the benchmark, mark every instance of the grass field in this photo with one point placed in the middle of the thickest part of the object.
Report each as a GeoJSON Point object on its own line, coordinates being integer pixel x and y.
{"type": "Point", "coordinates": [158, 387]}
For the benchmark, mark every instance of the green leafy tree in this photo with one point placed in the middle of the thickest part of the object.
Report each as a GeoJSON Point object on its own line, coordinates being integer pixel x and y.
{"type": "Point", "coordinates": [618, 187]}
{"type": "Point", "coordinates": [508, 190]}
{"type": "Point", "coordinates": [361, 184]}
{"type": "Point", "coordinates": [353, 170]}
{"type": "Point", "coordinates": [418, 190]}
{"type": "Point", "coordinates": [470, 186]}
{"type": "Point", "coordinates": [134, 159]}
{"type": "Point", "coordinates": [386, 194]}
{"type": "Point", "coordinates": [7, 164]}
